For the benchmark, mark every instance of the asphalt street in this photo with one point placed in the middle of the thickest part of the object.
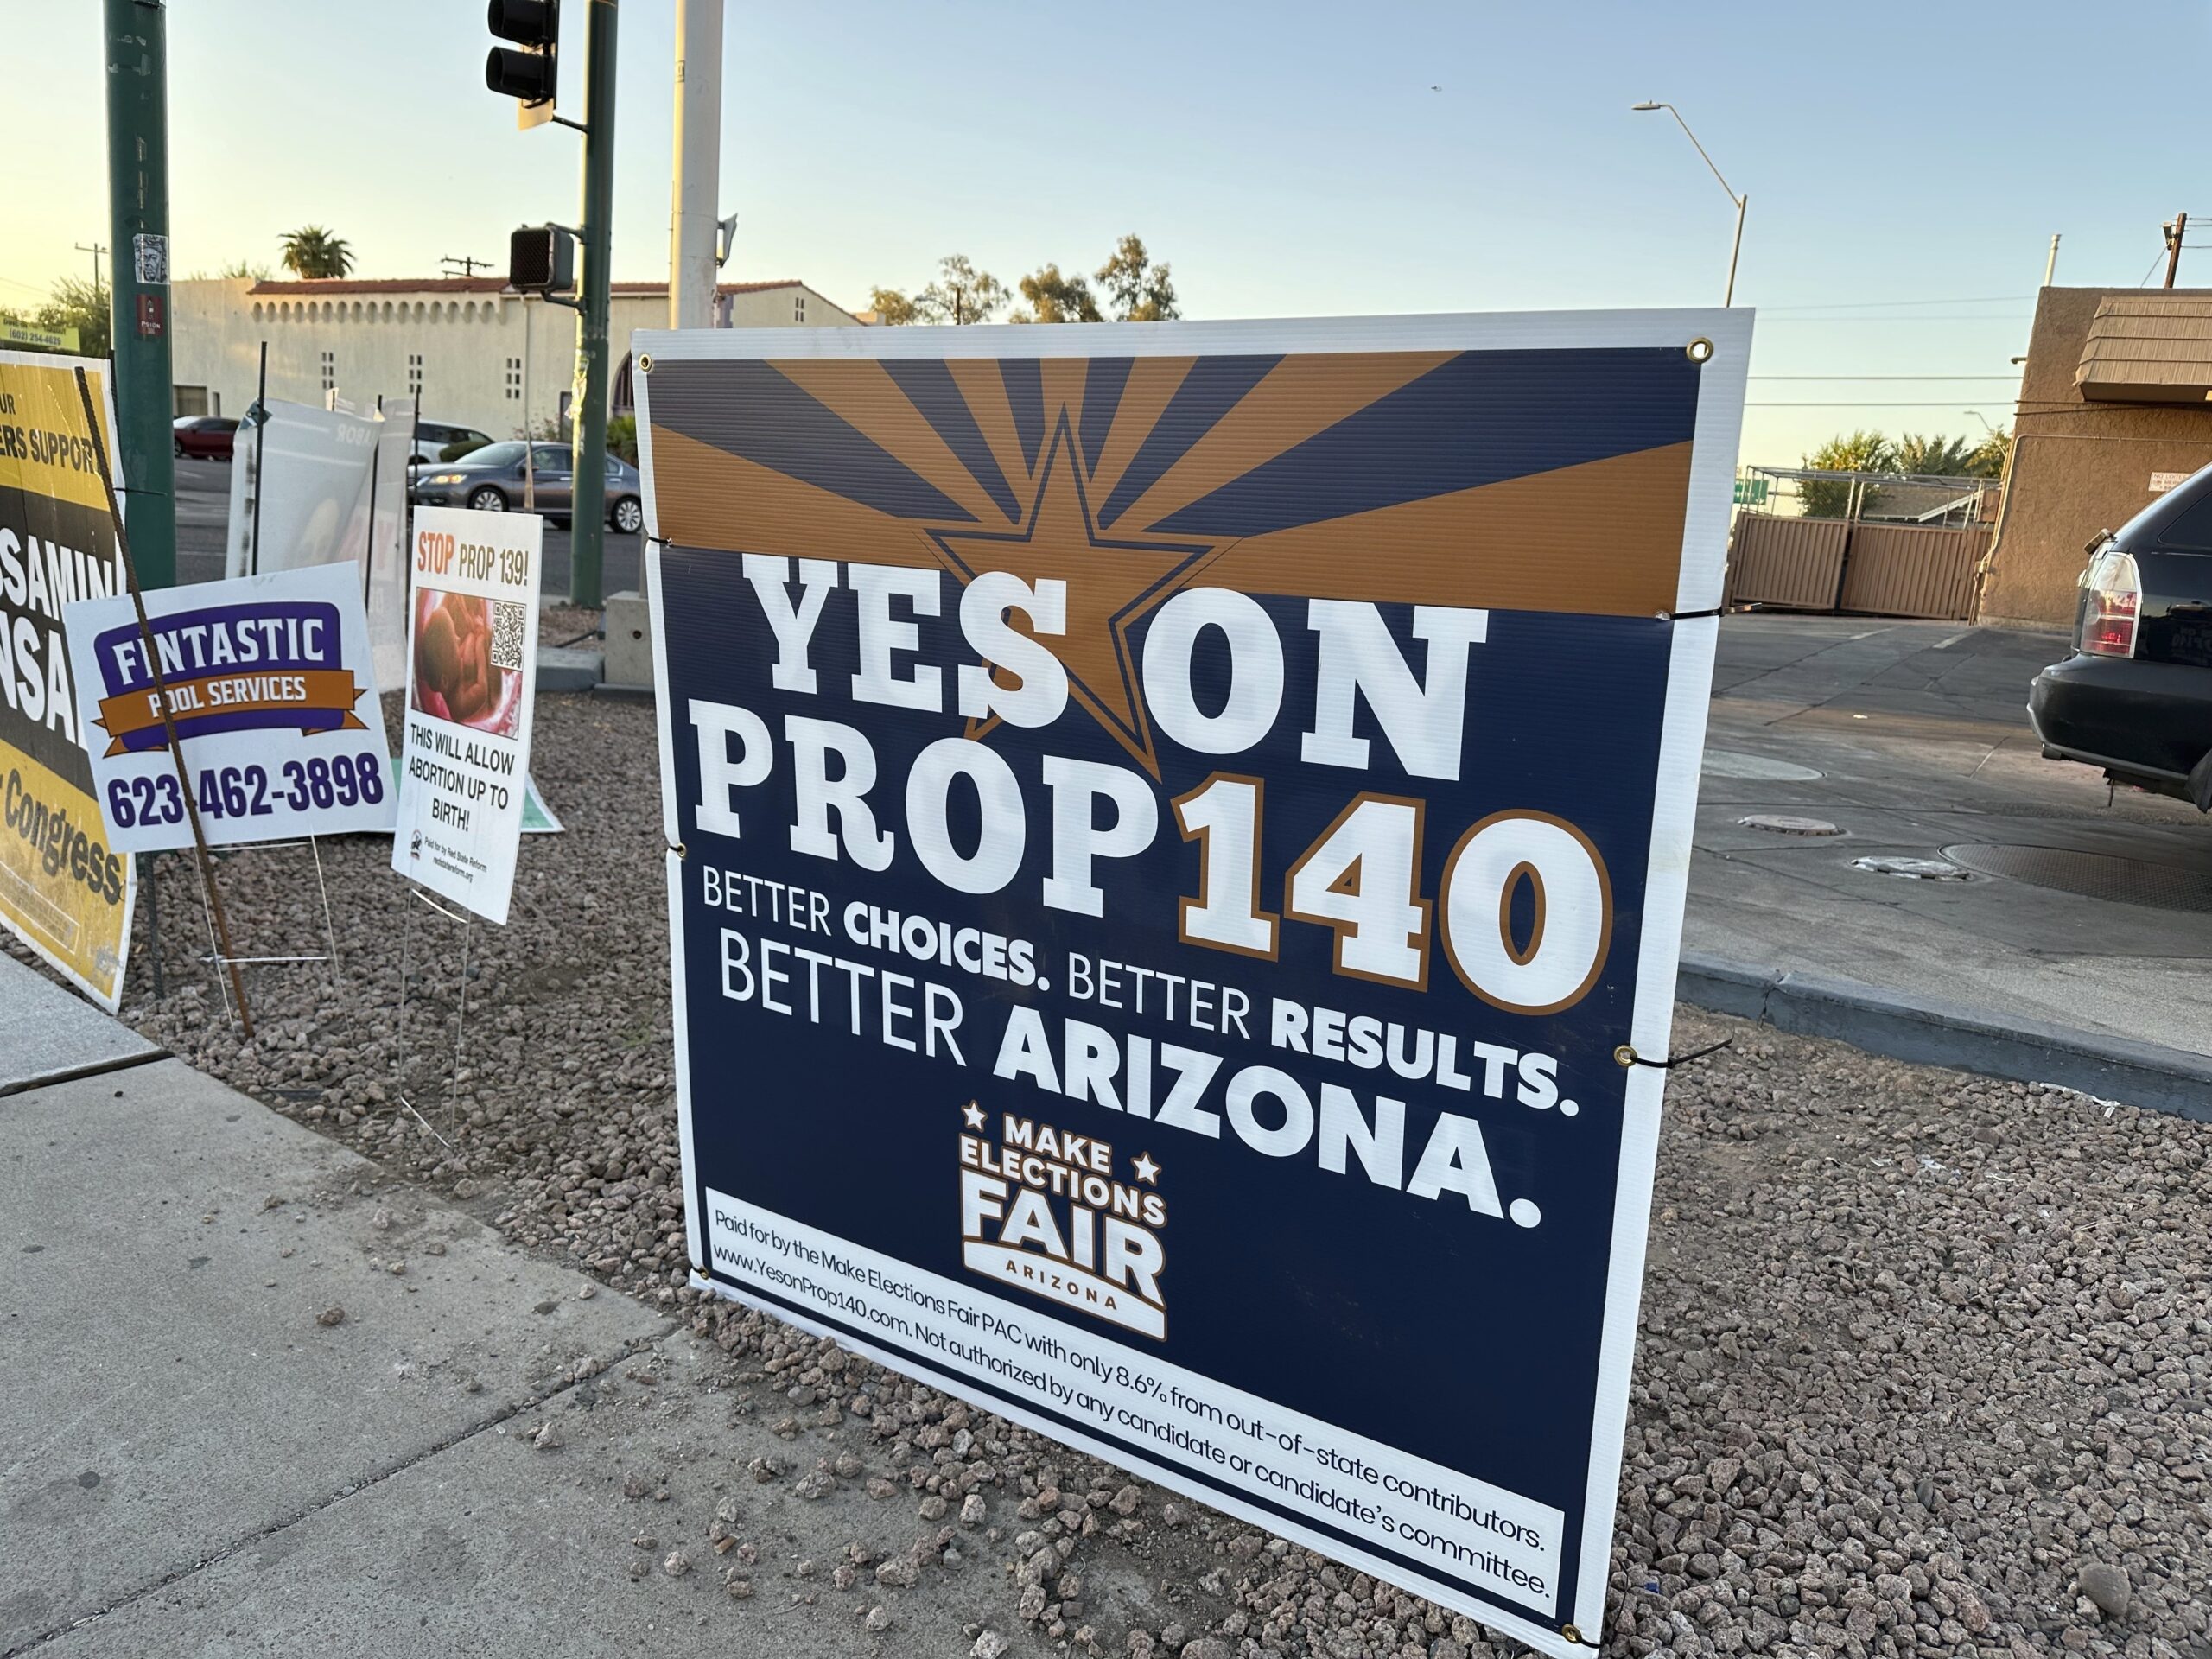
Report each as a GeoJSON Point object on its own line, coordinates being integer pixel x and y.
{"type": "Point", "coordinates": [203, 509]}
{"type": "Point", "coordinates": [1911, 741]}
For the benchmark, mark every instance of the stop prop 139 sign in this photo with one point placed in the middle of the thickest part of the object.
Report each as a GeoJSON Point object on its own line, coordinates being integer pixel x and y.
{"type": "Point", "coordinates": [1175, 832]}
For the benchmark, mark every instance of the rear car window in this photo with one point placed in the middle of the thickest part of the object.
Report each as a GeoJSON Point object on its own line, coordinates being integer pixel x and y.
{"type": "Point", "coordinates": [2191, 529]}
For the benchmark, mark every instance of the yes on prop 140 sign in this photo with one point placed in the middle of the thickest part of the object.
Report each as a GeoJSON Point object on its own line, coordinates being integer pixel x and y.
{"type": "Point", "coordinates": [1174, 831]}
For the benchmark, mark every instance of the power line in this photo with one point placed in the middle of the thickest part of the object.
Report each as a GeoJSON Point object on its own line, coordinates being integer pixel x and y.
{"type": "Point", "coordinates": [1873, 305]}
{"type": "Point", "coordinates": [1939, 403]}
{"type": "Point", "coordinates": [1921, 378]}
{"type": "Point", "coordinates": [1889, 322]}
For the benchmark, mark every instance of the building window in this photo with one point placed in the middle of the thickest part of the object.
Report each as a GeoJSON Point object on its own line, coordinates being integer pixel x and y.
{"type": "Point", "coordinates": [798, 308]}
{"type": "Point", "coordinates": [330, 371]}
{"type": "Point", "coordinates": [514, 378]}
{"type": "Point", "coordinates": [414, 374]}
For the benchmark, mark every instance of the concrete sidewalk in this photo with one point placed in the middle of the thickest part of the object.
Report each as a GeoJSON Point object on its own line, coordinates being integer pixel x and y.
{"type": "Point", "coordinates": [1911, 739]}
{"type": "Point", "coordinates": [199, 1455]}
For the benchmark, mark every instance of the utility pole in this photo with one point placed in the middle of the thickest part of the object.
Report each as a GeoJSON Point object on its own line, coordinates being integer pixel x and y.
{"type": "Point", "coordinates": [135, 41]}
{"type": "Point", "coordinates": [2174, 230]}
{"type": "Point", "coordinates": [96, 248]}
{"type": "Point", "coordinates": [692, 264]}
{"type": "Point", "coordinates": [587, 506]}
{"type": "Point", "coordinates": [468, 267]}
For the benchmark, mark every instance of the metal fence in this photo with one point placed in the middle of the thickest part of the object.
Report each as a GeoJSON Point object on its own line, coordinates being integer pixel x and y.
{"type": "Point", "coordinates": [1879, 544]}
{"type": "Point", "coordinates": [1947, 501]}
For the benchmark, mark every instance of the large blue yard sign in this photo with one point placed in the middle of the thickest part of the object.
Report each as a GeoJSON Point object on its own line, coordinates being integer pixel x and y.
{"type": "Point", "coordinates": [1178, 837]}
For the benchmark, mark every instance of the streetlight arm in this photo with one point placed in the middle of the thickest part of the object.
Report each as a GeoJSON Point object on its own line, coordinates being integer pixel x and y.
{"type": "Point", "coordinates": [1692, 137]}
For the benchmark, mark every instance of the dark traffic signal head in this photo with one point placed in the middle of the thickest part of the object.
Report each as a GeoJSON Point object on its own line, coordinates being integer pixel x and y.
{"type": "Point", "coordinates": [526, 70]}
{"type": "Point", "coordinates": [542, 259]}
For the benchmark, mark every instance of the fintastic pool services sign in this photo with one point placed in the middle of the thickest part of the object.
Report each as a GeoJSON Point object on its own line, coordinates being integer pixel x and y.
{"type": "Point", "coordinates": [271, 694]}
{"type": "Point", "coordinates": [1179, 834]}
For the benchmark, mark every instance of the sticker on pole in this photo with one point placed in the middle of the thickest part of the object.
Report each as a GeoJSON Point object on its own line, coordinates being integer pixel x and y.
{"type": "Point", "coordinates": [472, 653]}
{"type": "Point", "coordinates": [1178, 837]}
{"type": "Point", "coordinates": [271, 694]}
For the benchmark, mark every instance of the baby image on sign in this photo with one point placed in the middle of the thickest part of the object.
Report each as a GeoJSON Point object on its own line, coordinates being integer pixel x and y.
{"type": "Point", "coordinates": [472, 652]}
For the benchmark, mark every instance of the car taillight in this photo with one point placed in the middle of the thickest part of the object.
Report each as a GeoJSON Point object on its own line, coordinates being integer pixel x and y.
{"type": "Point", "coordinates": [2112, 597]}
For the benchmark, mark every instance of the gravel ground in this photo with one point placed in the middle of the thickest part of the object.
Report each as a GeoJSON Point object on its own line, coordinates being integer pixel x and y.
{"type": "Point", "coordinates": [1926, 1364]}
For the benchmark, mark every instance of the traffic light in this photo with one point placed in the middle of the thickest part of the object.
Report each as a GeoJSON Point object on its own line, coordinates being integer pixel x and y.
{"type": "Point", "coordinates": [525, 71]}
{"type": "Point", "coordinates": [542, 259]}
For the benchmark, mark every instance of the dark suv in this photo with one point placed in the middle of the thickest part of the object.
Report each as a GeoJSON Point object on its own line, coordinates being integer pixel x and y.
{"type": "Point", "coordinates": [2135, 697]}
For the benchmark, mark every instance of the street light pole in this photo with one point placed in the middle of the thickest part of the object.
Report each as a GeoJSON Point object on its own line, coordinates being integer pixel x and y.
{"type": "Point", "coordinates": [1736, 249]}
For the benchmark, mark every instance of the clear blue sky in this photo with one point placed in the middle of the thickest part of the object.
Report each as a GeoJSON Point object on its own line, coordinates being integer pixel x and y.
{"type": "Point", "coordinates": [1288, 158]}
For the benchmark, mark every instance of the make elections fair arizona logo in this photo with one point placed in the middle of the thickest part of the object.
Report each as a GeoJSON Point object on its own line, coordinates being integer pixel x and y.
{"type": "Point", "coordinates": [276, 665]}
{"type": "Point", "coordinates": [1050, 1212]}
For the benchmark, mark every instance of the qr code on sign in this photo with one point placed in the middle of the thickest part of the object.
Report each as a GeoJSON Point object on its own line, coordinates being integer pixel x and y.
{"type": "Point", "coordinates": [509, 620]}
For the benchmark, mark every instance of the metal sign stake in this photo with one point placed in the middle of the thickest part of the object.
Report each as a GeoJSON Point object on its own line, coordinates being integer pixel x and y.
{"type": "Point", "coordinates": [161, 698]}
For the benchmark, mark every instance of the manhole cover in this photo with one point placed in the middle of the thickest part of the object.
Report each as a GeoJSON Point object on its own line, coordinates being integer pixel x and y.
{"type": "Point", "coordinates": [1913, 869]}
{"type": "Point", "coordinates": [2094, 875]}
{"type": "Point", "coordinates": [1733, 763]}
{"type": "Point", "coordinates": [1780, 823]}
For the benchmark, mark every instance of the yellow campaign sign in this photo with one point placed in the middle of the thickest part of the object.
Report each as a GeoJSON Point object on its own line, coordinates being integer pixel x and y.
{"type": "Point", "coordinates": [63, 891]}
{"type": "Point", "coordinates": [47, 339]}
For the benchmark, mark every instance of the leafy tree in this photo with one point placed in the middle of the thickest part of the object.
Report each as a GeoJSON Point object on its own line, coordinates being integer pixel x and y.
{"type": "Point", "coordinates": [1141, 291]}
{"type": "Point", "coordinates": [252, 271]}
{"type": "Point", "coordinates": [1932, 457]}
{"type": "Point", "coordinates": [312, 252]}
{"type": "Point", "coordinates": [1856, 452]}
{"type": "Point", "coordinates": [1992, 455]}
{"type": "Point", "coordinates": [961, 293]}
{"type": "Point", "coordinates": [1054, 298]}
{"type": "Point", "coordinates": [893, 308]}
{"type": "Point", "coordinates": [621, 436]}
{"type": "Point", "coordinates": [73, 303]}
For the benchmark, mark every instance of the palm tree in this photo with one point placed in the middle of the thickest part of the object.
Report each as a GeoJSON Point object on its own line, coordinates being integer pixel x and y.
{"type": "Point", "coordinates": [312, 252]}
{"type": "Point", "coordinates": [1933, 457]}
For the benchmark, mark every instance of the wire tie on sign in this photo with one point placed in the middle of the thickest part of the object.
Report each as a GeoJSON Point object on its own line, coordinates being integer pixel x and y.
{"type": "Point", "coordinates": [1626, 1055]}
{"type": "Point", "coordinates": [1691, 616]}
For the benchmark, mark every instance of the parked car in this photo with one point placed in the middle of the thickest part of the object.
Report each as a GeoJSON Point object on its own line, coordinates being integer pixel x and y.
{"type": "Point", "coordinates": [492, 479]}
{"type": "Point", "coordinates": [2135, 697]}
{"type": "Point", "coordinates": [442, 440]}
{"type": "Point", "coordinates": [203, 437]}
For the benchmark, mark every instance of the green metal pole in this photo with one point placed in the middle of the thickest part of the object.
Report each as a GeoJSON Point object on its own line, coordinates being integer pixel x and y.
{"type": "Point", "coordinates": [587, 506]}
{"type": "Point", "coordinates": [136, 40]}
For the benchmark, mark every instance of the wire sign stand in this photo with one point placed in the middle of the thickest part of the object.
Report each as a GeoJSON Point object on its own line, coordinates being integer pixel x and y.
{"type": "Point", "coordinates": [403, 1062]}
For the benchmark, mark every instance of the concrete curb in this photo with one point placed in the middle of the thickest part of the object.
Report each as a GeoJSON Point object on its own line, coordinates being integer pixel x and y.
{"type": "Point", "coordinates": [1948, 1034]}
{"type": "Point", "coordinates": [570, 668]}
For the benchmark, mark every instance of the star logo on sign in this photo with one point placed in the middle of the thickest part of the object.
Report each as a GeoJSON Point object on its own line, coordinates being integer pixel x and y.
{"type": "Point", "coordinates": [1145, 1170]}
{"type": "Point", "coordinates": [974, 1114]}
{"type": "Point", "coordinates": [1110, 585]}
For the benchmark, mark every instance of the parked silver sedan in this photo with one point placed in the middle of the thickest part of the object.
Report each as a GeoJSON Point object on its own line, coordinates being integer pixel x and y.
{"type": "Point", "coordinates": [518, 477]}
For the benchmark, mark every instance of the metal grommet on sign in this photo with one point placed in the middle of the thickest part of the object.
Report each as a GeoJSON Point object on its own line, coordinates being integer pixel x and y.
{"type": "Point", "coordinates": [680, 850]}
{"type": "Point", "coordinates": [1699, 350]}
{"type": "Point", "coordinates": [1624, 1056]}
{"type": "Point", "coordinates": [1572, 1633]}
{"type": "Point", "coordinates": [646, 361]}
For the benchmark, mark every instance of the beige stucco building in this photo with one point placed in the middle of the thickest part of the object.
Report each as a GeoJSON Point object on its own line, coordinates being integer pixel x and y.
{"type": "Point", "coordinates": [2115, 406]}
{"type": "Point", "coordinates": [472, 351]}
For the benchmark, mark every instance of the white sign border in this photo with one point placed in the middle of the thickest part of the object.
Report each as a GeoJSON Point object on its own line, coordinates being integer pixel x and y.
{"type": "Point", "coordinates": [1682, 742]}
